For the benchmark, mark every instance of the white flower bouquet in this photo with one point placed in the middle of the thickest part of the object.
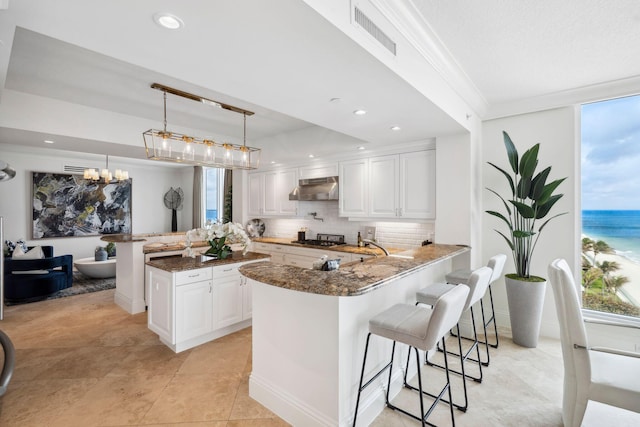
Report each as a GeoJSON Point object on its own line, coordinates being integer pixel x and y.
{"type": "Point", "coordinates": [219, 237]}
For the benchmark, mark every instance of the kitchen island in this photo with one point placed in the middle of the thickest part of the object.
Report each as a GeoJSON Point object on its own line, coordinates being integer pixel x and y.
{"type": "Point", "coordinates": [196, 300]}
{"type": "Point", "coordinates": [309, 330]}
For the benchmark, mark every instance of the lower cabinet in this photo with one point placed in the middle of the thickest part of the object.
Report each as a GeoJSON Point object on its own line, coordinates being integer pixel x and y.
{"type": "Point", "coordinates": [192, 307]}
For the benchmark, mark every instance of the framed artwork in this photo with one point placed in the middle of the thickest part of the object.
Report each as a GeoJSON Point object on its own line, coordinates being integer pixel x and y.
{"type": "Point", "coordinates": [66, 205]}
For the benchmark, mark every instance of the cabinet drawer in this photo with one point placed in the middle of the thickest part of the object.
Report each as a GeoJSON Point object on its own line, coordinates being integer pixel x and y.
{"type": "Point", "coordinates": [191, 276]}
{"type": "Point", "coordinates": [263, 248]}
{"type": "Point", "coordinates": [224, 270]}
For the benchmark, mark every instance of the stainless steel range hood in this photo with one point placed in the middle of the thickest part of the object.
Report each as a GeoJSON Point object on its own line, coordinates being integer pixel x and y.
{"type": "Point", "coordinates": [316, 189]}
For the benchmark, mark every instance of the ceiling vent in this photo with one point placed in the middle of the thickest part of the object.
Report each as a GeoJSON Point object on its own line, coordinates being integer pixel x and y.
{"type": "Point", "coordinates": [74, 169]}
{"type": "Point", "coordinates": [375, 31]}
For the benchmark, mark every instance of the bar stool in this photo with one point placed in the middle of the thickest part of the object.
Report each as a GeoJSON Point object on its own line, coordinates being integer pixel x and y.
{"type": "Point", "coordinates": [461, 277]}
{"type": "Point", "coordinates": [421, 329]}
{"type": "Point", "coordinates": [478, 284]}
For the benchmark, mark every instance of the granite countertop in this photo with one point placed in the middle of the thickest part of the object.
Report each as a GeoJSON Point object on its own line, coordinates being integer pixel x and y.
{"type": "Point", "coordinates": [351, 279]}
{"type": "Point", "coordinates": [177, 263]}
{"type": "Point", "coordinates": [170, 246]}
{"type": "Point", "coordinates": [128, 238]}
{"type": "Point", "coordinates": [353, 249]}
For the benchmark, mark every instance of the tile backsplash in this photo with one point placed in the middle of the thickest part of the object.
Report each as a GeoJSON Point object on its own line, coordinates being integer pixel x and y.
{"type": "Point", "coordinates": [402, 235]}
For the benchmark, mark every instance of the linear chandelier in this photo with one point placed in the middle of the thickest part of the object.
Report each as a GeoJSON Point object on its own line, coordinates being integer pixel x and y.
{"type": "Point", "coordinates": [169, 146]}
{"type": "Point", "coordinates": [105, 174]}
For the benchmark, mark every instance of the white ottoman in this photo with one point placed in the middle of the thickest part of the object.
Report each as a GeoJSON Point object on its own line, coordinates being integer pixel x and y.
{"type": "Point", "coordinates": [96, 269]}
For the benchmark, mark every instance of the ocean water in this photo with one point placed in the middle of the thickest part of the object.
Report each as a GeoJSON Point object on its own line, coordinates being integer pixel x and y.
{"type": "Point", "coordinates": [620, 229]}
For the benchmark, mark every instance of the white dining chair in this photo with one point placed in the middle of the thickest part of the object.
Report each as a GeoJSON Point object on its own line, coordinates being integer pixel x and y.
{"type": "Point", "coordinates": [599, 374]}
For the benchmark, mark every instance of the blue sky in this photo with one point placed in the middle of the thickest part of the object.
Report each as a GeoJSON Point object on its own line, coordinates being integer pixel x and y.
{"type": "Point", "coordinates": [611, 154]}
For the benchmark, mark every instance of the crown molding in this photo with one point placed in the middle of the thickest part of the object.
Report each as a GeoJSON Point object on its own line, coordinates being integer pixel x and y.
{"type": "Point", "coordinates": [581, 95]}
{"type": "Point", "coordinates": [409, 22]}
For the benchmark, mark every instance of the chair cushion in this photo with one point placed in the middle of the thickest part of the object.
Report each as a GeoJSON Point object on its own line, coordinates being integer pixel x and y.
{"type": "Point", "coordinates": [459, 277]}
{"type": "Point", "coordinates": [403, 323]}
{"type": "Point", "coordinates": [615, 380]}
{"type": "Point", "coordinates": [432, 293]}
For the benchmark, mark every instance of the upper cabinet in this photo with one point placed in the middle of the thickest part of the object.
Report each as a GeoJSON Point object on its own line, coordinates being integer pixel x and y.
{"type": "Point", "coordinates": [352, 187]}
{"type": "Point", "coordinates": [319, 171]}
{"type": "Point", "coordinates": [400, 186]}
{"type": "Point", "coordinates": [269, 193]}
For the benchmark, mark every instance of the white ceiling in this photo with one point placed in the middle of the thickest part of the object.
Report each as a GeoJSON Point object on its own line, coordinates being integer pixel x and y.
{"type": "Point", "coordinates": [285, 61]}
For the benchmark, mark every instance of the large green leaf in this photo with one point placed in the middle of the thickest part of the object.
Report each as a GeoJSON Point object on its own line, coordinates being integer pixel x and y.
{"type": "Point", "coordinates": [543, 209]}
{"type": "Point", "coordinates": [537, 185]}
{"type": "Point", "coordinates": [523, 188]}
{"type": "Point", "coordinates": [504, 202]}
{"type": "Point", "coordinates": [529, 162]}
{"type": "Point", "coordinates": [524, 210]}
{"type": "Point", "coordinates": [521, 234]}
{"type": "Point", "coordinates": [512, 152]}
{"type": "Point", "coordinates": [502, 217]}
{"type": "Point", "coordinates": [509, 179]}
{"type": "Point", "coordinates": [549, 189]}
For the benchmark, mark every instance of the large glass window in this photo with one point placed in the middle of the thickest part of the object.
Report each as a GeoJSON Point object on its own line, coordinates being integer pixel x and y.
{"type": "Point", "coordinates": [213, 178]}
{"type": "Point", "coordinates": [611, 206]}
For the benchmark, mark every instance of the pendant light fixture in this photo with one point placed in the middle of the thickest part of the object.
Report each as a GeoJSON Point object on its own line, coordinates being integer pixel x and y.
{"type": "Point", "coordinates": [163, 145]}
{"type": "Point", "coordinates": [105, 174]}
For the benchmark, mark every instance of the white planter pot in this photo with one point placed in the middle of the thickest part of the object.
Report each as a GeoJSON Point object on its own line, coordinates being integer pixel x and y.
{"type": "Point", "coordinates": [526, 300]}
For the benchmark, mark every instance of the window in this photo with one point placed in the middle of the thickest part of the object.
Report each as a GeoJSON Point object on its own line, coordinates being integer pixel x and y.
{"type": "Point", "coordinates": [213, 185]}
{"type": "Point", "coordinates": [611, 206]}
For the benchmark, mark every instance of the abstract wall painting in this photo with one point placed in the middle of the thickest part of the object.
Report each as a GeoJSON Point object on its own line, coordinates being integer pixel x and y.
{"type": "Point", "coordinates": [66, 205]}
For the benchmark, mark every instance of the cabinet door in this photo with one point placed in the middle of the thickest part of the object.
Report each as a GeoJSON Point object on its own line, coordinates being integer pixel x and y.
{"type": "Point", "coordinates": [160, 292]}
{"type": "Point", "coordinates": [353, 187]}
{"type": "Point", "coordinates": [271, 193]}
{"type": "Point", "coordinates": [418, 185]}
{"type": "Point", "coordinates": [247, 301]}
{"type": "Point", "coordinates": [227, 300]}
{"type": "Point", "coordinates": [322, 171]}
{"type": "Point", "coordinates": [256, 194]}
{"type": "Point", "coordinates": [194, 310]}
{"type": "Point", "coordinates": [287, 181]}
{"type": "Point", "coordinates": [383, 186]}
{"type": "Point", "coordinates": [299, 260]}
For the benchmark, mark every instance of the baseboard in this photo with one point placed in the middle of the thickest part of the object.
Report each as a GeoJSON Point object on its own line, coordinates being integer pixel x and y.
{"type": "Point", "coordinates": [129, 305]}
{"type": "Point", "coordinates": [298, 413]}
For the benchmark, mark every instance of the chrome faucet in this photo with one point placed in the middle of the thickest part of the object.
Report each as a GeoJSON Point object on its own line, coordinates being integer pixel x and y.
{"type": "Point", "coordinates": [371, 242]}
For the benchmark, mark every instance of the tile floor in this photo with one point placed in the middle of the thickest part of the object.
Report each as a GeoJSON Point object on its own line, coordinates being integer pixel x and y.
{"type": "Point", "coordinates": [83, 361]}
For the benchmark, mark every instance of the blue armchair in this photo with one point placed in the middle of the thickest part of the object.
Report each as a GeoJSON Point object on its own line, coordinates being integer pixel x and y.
{"type": "Point", "coordinates": [33, 287]}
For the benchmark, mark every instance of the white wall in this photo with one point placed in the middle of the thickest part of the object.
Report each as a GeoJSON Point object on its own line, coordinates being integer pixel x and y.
{"type": "Point", "coordinates": [556, 131]}
{"type": "Point", "coordinates": [150, 180]}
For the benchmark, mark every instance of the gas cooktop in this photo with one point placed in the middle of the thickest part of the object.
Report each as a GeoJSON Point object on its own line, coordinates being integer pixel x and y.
{"type": "Point", "coordinates": [323, 240]}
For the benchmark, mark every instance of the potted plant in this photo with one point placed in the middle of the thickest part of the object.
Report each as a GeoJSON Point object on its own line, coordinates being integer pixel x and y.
{"type": "Point", "coordinates": [526, 208]}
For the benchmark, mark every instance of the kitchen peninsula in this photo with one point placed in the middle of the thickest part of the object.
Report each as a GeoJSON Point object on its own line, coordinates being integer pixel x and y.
{"type": "Point", "coordinates": [310, 326]}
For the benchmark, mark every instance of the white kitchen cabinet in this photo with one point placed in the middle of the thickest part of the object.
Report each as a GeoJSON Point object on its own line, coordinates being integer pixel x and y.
{"type": "Point", "coordinates": [353, 197]}
{"type": "Point", "coordinates": [194, 310]}
{"type": "Point", "coordinates": [417, 190]}
{"type": "Point", "coordinates": [383, 186]}
{"type": "Point", "coordinates": [269, 193]}
{"type": "Point", "coordinates": [320, 171]}
{"type": "Point", "coordinates": [399, 186]}
{"type": "Point", "coordinates": [227, 296]}
{"type": "Point", "coordinates": [191, 307]}
{"type": "Point", "coordinates": [160, 302]}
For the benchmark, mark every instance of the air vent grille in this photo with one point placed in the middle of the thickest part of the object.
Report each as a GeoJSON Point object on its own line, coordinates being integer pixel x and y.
{"type": "Point", "coordinates": [375, 31]}
{"type": "Point", "coordinates": [74, 169]}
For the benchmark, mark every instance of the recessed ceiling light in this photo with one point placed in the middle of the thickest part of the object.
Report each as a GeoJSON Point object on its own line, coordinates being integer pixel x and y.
{"type": "Point", "coordinates": [361, 147]}
{"type": "Point", "coordinates": [273, 162]}
{"type": "Point", "coordinates": [334, 100]}
{"type": "Point", "coordinates": [360, 112]}
{"type": "Point", "coordinates": [166, 20]}
{"type": "Point", "coordinates": [311, 156]}
{"type": "Point", "coordinates": [48, 141]}
{"type": "Point", "coordinates": [395, 127]}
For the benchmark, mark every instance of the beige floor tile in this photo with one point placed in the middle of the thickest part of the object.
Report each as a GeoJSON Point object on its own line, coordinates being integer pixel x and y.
{"type": "Point", "coordinates": [200, 397]}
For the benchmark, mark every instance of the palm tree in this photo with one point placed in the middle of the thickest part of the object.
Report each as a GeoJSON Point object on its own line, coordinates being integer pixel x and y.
{"type": "Point", "coordinates": [616, 282]}
{"type": "Point", "coordinates": [590, 276]}
{"type": "Point", "coordinates": [607, 267]}
{"type": "Point", "coordinates": [587, 246]}
{"type": "Point", "coordinates": [600, 247]}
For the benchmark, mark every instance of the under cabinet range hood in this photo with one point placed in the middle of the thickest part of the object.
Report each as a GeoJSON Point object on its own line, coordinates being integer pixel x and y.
{"type": "Point", "coordinates": [316, 189]}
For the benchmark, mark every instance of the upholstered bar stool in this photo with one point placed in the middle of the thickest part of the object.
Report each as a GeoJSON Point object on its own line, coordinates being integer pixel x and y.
{"type": "Point", "coordinates": [420, 328]}
{"type": "Point", "coordinates": [478, 284]}
{"type": "Point", "coordinates": [461, 277]}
